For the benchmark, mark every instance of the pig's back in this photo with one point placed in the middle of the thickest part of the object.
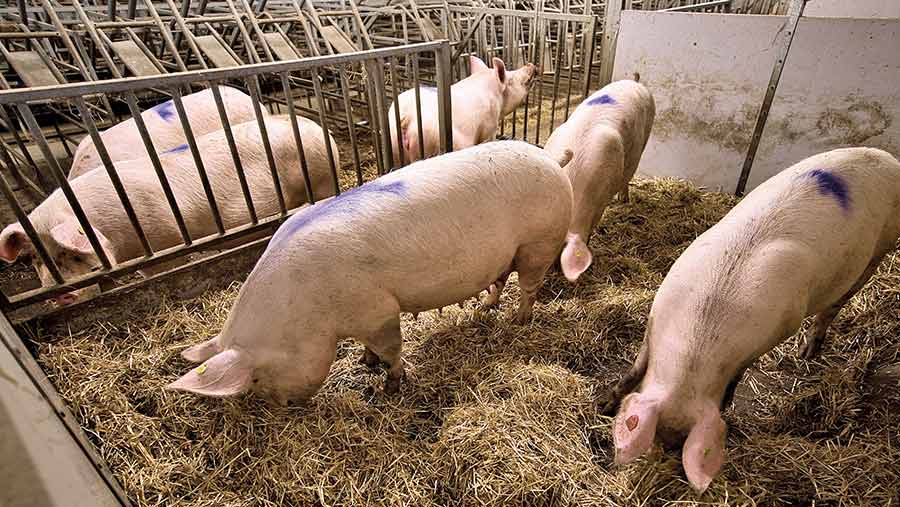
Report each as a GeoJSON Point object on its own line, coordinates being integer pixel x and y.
{"type": "Point", "coordinates": [436, 231]}
{"type": "Point", "coordinates": [798, 242]}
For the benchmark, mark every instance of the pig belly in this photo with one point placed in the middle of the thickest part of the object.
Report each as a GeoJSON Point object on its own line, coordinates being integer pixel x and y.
{"type": "Point", "coordinates": [453, 283]}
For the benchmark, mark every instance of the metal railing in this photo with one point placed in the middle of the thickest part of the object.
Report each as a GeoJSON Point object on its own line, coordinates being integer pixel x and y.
{"type": "Point", "coordinates": [722, 6]}
{"type": "Point", "coordinates": [21, 102]}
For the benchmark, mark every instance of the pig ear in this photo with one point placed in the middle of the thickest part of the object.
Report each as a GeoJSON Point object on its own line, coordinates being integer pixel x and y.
{"type": "Point", "coordinates": [476, 64]}
{"type": "Point", "coordinates": [13, 241]}
{"type": "Point", "coordinates": [70, 236]}
{"type": "Point", "coordinates": [202, 351]}
{"type": "Point", "coordinates": [704, 450]}
{"type": "Point", "coordinates": [576, 257]}
{"type": "Point", "coordinates": [501, 69]}
{"type": "Point", "coordinates": [225, 374]}
{"type": "Point", "coordinates": [634, 428]}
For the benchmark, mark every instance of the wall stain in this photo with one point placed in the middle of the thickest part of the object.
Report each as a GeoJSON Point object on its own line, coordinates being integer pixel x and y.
{"type": "Point", "coordinates": [854, 123]}
{"type": "Point", "coordinates": [688, 108]}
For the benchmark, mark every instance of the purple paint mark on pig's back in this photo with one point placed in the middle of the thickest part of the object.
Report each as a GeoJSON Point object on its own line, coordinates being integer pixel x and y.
{"type": "Point", "coordinates": [346, 203]}
{"type": "Point", "coordinates": [832, 184]}
{"type": "Point", "coordinates": [601, 100]}
{"type": "Point", "coordinates": [178, 149]}
{"type": "Point", "coordinates": [165, 110]}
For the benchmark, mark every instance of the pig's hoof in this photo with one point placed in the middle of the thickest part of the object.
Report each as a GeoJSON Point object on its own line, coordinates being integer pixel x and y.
{"type": "Point", "coordinates": [490, 301]}
{"type": "Point", "coordinates": [808, 349]}
{"type": "Point", "coordinates": [392, 384]}
{"type": "Point", "coordinates": [369, 359]}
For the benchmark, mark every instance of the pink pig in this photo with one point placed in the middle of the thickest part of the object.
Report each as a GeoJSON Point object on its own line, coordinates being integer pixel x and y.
{"type": "Point", "coordinates": [60, 231]}
{"type": "Point", "coordinates": [608, 133]}
{"type": "Point", "coordinates": [479, 102]}
{"type": "Point", "coordinates": [468, 218]}
{"type": "Point", "coordinates": [801, 244]}
{"type": "Point", "coordinates": [123, 141]}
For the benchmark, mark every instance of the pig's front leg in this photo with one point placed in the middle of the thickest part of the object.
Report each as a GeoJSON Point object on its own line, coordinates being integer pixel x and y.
{"type": "Point", "coordinates": [387, 344]}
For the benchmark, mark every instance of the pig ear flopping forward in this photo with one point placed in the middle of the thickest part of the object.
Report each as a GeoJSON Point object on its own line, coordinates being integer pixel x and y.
{"type": "Point", "coordinates": [13, 241]}
{"type": "Point", "coordinates": [202, 351]}
{"type": "Point", "coordinates": [635, 428]}
{"type": "Point", "coordinates": [70, 236]}
{"type": "Point", "coordinates": [704, 450]}
{"type": "Point", "coordinates": [576, 257]}
{"type": "Point", "coordinates": [226, 374]}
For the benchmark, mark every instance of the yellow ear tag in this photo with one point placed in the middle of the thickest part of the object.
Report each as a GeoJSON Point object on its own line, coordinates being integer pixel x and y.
{"type": "Point", "coordinates": [81, 231]}
{"type": "Point", "coordinates": [578, 254]}
{"type": "Point", "coordinates": [706, 452]}
{"type": "Point", "coordinates": [201, 369]}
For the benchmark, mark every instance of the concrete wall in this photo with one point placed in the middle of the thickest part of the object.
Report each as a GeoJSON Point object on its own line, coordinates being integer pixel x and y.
{"type": "Point", "coordinates": [853, 9]}
{"type": "Point", "coordinates": [840, 87]}
{"type": "Point", "coordinates": [708, 74]}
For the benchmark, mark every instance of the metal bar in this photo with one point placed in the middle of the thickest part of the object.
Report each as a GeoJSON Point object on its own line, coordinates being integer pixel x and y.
{"type": "Point", "coordinates": [157, 166]}
{"type": "Point", "coordinates": [608, 47]}
{"type": "Point", "coordinates": [571, 69]}
{"type": "Point", "coordinates": [326, 133]}
{"type": "Point", "coordinates": [393, 71]}
{"type": "Point", "coordinates": [71, 90]}
{"type": "Point", "coordinates": [419, 132]}
{"type": "Point", "coordinates": [540, 74]}
{"type": "Point", "coordinates": [23, 181]}
{"type": "Point", "coordinates": [304, 167]}
{"type": "Point", "coordinates": [253, 86]}
{"type": "Point", "coordinates": [445, 107]}
{"type": "Point", "coordinates": [23, 148]}
{"type": "Point", "coordinates": [14, 344]}
{"type": "Point", "coordinates": [98, 43]}
{"type": "Point", "coordinates": [23, 18]}
{"type": "Point", "coordinates": [795, 12]}
{"type": "Point", "coordinates": [166, 34]}
{"type": "Point", "coordinates": [113, 175]}
{"type": "Point", "coordinates": [235, 156]}
{"type": "Point", "coordinates": [375, 69]}
{"type": "Point", "coordinates": [372, 94]}
{"type": "Point", "coordinates": [348, 108]}
{"type": "Point", "coordinates": [185, 31]}
{"type": "Point", "coordinates": [699, 7]}
{"type": "Point", "coordinates": [562, 37]}
{"type": "Point", "coordinates": [24, 221]}
{"type": "Point", "coordinates": [589, 58]}
{"type": "Point", "coordinates": [125, 268]}
{"type": "Point", "coordinates": [37, 136]}
{"type": "Point", "coordinates": [198, 160]}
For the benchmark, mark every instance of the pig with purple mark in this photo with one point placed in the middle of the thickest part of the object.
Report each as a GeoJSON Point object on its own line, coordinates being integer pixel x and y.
{"type": "Point", "coordinates": [59, 230]}
{"type": "Point", "coordinates": [801, 244]}
{"type": "Point", "coordinates": [123, 140]}
{"type": "Point", "coordinates": [607, 133]}
{"type": "Point", "coordinates": [467, 218]}
{"type": "Point", "coordinates": [479, 103]}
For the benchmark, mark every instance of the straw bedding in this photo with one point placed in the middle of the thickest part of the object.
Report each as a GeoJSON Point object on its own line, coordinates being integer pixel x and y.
{"type": "Point", "coordinates": [493, 413]}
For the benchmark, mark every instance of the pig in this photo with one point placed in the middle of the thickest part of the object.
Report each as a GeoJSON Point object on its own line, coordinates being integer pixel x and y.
{"type": "Point", "coordinates": [58, 228]}
{"type": "Point", "coordinates": [479, 103]}
{"type": "Point", "coordinates": [422, 237]}
{"type": "Point", "coordinates": [123, 141]}
{"type": "Point", "coordinates": [608, 133]}
{"type": "Point", "coordinates": [801, 244]}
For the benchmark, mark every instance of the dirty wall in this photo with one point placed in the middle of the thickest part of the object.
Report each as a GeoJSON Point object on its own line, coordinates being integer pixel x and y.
{"type": "Point", "coordinates": [708, 73]}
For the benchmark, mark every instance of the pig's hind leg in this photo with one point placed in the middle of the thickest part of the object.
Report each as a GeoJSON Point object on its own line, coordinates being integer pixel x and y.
{"type": "Point", "coordinates": [531, 262]}
{"type": "Point", "coordinates": [812, 343]}
{"type": "Point", "coordinates": [386, 343]}
{"type": "Point", "coordinates": [495, 290]}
